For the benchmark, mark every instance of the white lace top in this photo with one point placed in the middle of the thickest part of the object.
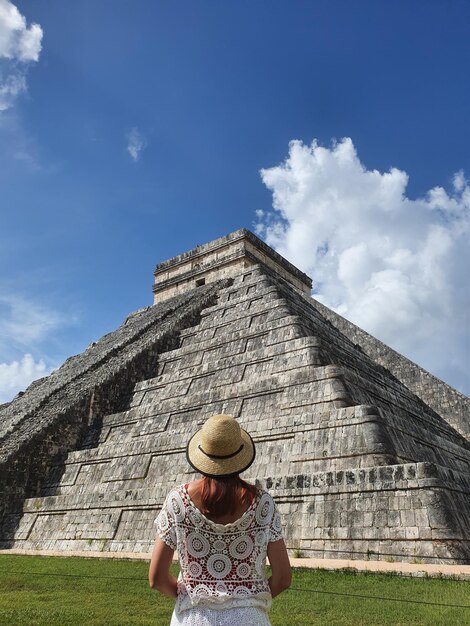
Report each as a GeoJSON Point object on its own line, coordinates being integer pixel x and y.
{"type": "Point", "coordinates": [221, 565]}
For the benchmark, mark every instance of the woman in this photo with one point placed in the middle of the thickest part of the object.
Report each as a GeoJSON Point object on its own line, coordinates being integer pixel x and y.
{"type": "Point", "coordinates": [223, 528]}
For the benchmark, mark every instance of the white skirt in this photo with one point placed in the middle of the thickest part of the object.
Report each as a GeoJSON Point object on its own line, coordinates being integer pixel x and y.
{"type": "Point", "coordinates": [202, 616]}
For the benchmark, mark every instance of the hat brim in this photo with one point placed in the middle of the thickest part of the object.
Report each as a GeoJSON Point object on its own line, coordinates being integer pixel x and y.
{"type": "Point", "coordinates": [216, 467]}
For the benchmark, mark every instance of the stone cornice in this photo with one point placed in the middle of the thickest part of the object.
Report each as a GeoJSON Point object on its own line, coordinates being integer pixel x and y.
{"type": "Point", "coordinates": [222, 242]}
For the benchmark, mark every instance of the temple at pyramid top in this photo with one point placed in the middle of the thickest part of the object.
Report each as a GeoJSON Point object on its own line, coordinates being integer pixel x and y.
{"type": "Point", "coordinates": [225, 257]}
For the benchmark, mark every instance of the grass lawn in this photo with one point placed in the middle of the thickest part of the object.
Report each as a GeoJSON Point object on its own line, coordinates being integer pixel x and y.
{"type": "Point", "coordinates": [56, 591]}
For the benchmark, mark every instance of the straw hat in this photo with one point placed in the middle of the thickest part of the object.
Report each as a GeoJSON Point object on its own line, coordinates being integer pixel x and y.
{"type": "Point", "coordinates": [220, 447]}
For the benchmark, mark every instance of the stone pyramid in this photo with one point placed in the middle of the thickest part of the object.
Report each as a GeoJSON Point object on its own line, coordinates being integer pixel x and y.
{"type": "Point", "coordinates": [366, 454]}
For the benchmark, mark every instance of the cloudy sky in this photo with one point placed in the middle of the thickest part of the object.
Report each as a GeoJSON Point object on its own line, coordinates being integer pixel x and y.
{"type": "Point", "coordinates": [132, 131]}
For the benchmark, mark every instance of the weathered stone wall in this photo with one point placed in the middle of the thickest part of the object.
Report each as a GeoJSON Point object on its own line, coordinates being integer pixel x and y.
{"type": "Point", "coordinates": [402, 512]}
{"type": "Point", "coordinates": [58, 412]}
{"type": "Point", "coordinates": [452, 405]}
{"type": "Point", "coordinates": [366, 383]}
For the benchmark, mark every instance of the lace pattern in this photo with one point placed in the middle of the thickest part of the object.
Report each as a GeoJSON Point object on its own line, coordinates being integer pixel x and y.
{"type": "Point", "coordinates": [221, 565]}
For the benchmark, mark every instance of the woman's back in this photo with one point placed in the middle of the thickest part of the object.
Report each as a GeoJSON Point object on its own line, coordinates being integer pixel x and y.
{"type": "Point", "coordinates": [220, 563]}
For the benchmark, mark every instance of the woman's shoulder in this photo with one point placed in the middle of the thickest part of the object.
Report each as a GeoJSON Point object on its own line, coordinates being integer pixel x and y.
{"type": "Point", "coordinates": [265, 507]}
{"type": "Point", "coordinates": [175, 500]}
{"type": "Point", "coordinates": [262, 494]}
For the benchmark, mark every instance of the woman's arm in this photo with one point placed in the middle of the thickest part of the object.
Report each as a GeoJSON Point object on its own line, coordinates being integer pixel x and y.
{"type": "Point", "coordinates": [280, 565]}
{"type": "Point", "coordinates": [159, 571]}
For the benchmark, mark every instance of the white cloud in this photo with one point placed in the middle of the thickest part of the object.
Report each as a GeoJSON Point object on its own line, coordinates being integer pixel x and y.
{"type": "Point", "coordinates": [17, 41]}
{"type": "Point", "coordinates": [10, 88]}
{"type": "Point", "coordinates": [394, 266]}
{"type": "Point", "coordinates": [25, 328]}
{"type": "Point", "coordinates": [23, 322]}
{"type": "Point", "coordinates": [135, 143]}
{"type": "Point", "coordinates": [17, 375]}
{"type": "Point", "coordinates": [20, 45]}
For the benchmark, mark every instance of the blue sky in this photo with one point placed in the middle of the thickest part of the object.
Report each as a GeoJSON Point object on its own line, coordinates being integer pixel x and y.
{"type": "Point", "coordinates": [133, 131]}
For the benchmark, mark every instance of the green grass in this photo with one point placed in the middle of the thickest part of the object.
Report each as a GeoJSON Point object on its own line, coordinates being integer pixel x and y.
{"type": "Point", "coordinates": [48, 591]}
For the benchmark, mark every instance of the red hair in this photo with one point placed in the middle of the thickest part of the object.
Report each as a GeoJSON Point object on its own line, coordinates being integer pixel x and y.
{"type": "Point", "coordinates": [225, 494]}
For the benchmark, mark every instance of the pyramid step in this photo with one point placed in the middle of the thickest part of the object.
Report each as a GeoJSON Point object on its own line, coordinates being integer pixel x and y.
{"type": "Point", "coordinates": [242, 315]}
{"type": "Point", "coordinates": [279, 423]}
{"type": "Point", "coordinates": [353, 479]}
{"type": "Point", "coordinates": [409, 442]}
{"type": "Point", "coordinates": [149, 417]}
{"type": "Point", "coordinates": [242, 301]}
{"type": "Point", "coordinates": [361, 433]}
{"type": "Point", "coordinates": [300, 351]}
{"type": "Point", "coordinates": [197, 336]}
{"type": "Point", "coordinates": [192, 392]}
{"type": "Point", "coordinates": [368, 371]}
{"type": "Point", "coordinates": [387, 393]}
{"type": "Point", "coordinates": [276, 331]}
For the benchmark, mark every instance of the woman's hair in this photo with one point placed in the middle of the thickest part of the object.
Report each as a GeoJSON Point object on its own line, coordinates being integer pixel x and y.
{"type": "Point", "coordinates": [224, 494]}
